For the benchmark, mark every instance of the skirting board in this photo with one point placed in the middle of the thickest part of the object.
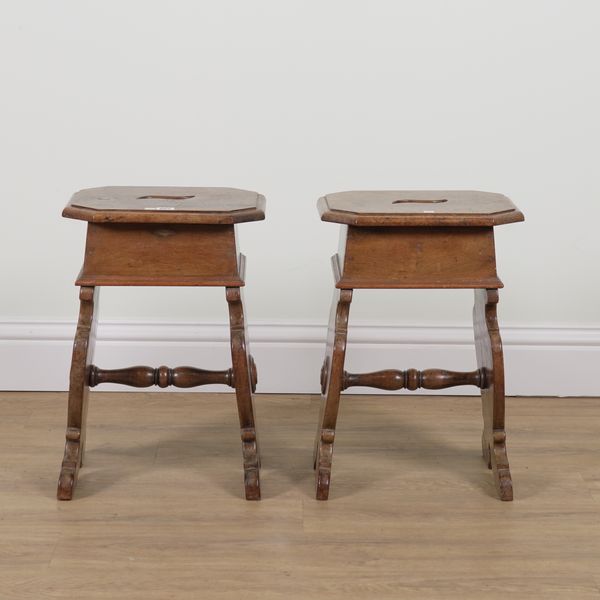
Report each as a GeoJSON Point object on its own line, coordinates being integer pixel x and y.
{"type": "Point", "coordinates": [539, 361]}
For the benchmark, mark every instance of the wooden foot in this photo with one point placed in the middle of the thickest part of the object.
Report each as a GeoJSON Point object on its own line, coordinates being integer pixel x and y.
{"type": "Point", "coordinates": [332, 375]}
{"type": "Point", "coordinates": [83, 349]}
{"type": "Point", "coordinates": [490, 360]}
{"type": "Point", "coordinates": [244, 375]}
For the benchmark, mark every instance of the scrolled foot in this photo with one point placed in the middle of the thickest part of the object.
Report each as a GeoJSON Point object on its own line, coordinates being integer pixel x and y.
{"type": "Point", "coordinates": [251, 459]}
{"type": "Point", "coordinates": [67, 480]}
{"type": "Point", "coordinates": [252, 484]}
{"type": "Point", "coordinates": [503, 482]}
{"type": "Point", "coordinates": [500, 467]}
{"type": "Point", "coordinates": [323, 461]}
{"type": "Point", "coordinates": [66, 484]}
{"type": "Point", "coordinates": [323, 479]}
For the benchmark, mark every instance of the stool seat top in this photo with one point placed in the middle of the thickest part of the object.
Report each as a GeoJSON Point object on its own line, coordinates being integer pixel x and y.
{"type": "Point", "coordinates": [418, 208]}
{"type": "Point", "coordinates": [191, 205]}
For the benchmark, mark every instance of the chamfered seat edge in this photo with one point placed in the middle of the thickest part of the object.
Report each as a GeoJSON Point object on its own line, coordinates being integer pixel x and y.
{"type": "Point", "coordinates": [349, 215]}
{"type": "Point", "coordinates": [246, 210]}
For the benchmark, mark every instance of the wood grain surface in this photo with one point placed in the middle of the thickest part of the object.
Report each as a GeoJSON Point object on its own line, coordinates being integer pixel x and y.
{"type": "Point", "coordinates": [418, 207]}
{"type": "Point", "coordinates": [413, 514]}
{"type": "Point", "coordinates": [168, 254]}
{"type": "Point", "coordinates": [417, 257]}
{"type": "Point", "coordinates": [191, 205]}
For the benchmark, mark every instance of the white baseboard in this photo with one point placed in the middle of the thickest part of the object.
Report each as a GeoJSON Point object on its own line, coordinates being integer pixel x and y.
{"type": "Point", "coordinates": [539, 361]}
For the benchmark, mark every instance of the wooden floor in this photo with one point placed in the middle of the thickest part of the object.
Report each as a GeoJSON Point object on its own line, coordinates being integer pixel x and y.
{"type": "Point", "coordinates": [159, 512]}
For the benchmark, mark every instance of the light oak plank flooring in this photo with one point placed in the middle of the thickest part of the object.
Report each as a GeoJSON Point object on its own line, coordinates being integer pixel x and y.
{"type": "Point", "coordinates": [159, 514]}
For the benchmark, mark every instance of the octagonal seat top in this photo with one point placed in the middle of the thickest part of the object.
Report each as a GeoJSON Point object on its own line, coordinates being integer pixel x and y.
{"type": "Point", "coordinates": [189, 205]}
{"type": "Point", "coordinates": [418, 208]}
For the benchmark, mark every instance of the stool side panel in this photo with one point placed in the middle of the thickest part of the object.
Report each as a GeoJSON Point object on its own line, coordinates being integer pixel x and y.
{"type": "Point", "coordinates": [419, 257]}
{"type": "Point", "coordinates": [135, 254]}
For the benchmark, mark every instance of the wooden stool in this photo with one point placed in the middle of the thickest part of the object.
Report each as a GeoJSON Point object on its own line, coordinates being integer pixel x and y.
{"type": "Point", "coordinates": [417, 240]}
{"type": "Point", "coordinates": [158, 236]}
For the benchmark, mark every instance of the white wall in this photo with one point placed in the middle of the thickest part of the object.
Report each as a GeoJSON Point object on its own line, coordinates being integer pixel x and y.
{"type": "Point", "coordinates": [295, 99]}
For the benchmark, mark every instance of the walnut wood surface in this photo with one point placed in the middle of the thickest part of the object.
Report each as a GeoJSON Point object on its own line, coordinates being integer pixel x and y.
{"type": "Point", "coordinates": [417, 257]}
{"type": "Point", "coordinates": [331, 380]}
{"type": "Point", "coordinates": [418, 208]}
{"type": "Point", "coordinates": [158, 255]}
{"type": "Point", "coordinates": [489, 377]}
{"type": "Point", "coordinates": [83, 350]}
{"type": "Point", "coordinates": [158, 237]}
{"type": "Point", "coordinates": [191, 205]}
{"type": "Point", "coordinates": [244, 374]}
{"type": "Point", "coordinates": [411, 379]}
{"type": "Point", "coordinates": [417, 240]}
{"type": "Point", "coordinates": [490, 359]}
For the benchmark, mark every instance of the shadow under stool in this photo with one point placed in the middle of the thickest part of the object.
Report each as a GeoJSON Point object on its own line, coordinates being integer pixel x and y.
{"type": "Point", "coordinates": [159, 236]}
{"type": "Point", "coordinates": [417, 239]}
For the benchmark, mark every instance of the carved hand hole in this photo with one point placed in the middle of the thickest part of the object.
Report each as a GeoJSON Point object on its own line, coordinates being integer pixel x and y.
{"type": "Point", "coordinates": [163, 232]}
{"type": "Point", "coordinates": [151, 197]}
{"type": "Point", "coordinates": [411, 201]}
